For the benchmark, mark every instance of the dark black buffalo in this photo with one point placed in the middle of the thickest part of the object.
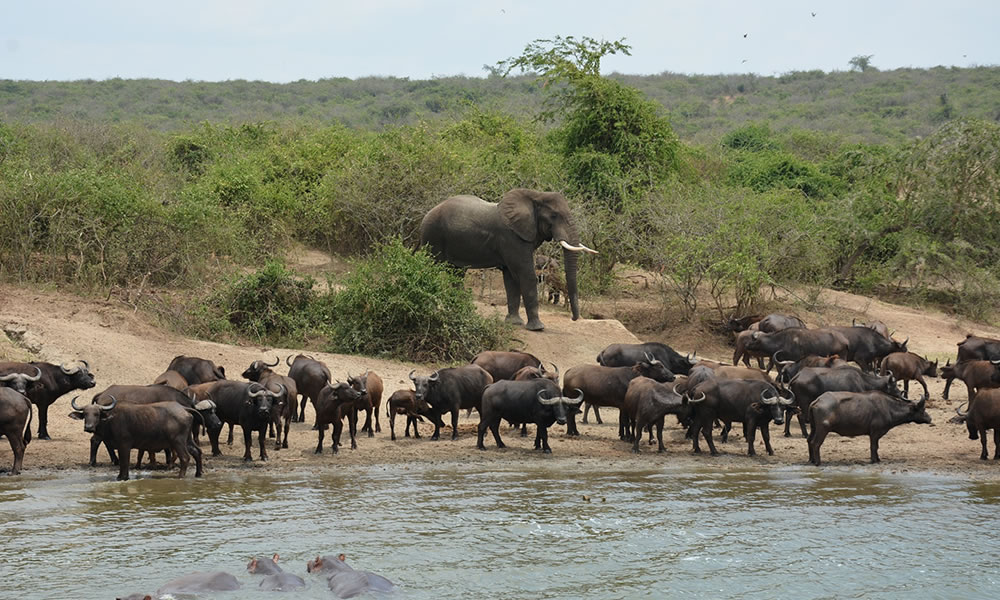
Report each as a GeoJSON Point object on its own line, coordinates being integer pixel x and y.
{"type": "Point", "coordinates": [56, 380]}
{"type": "Point", "coordinates": [796, 343]}
{"type": "Point", "coordinates": [15, 423]}
{"type": "Point", "coordinates": [606, 386]}
{"type": "Point", "coordinates": [535, 401]}
{"type": "Point", "coordinates": [626, 355]}
{"type": "Point", "coordinates": [860, 413]}
{"type": "Point", "coordinates": [731, 400]}
{"type": "Point", "coordinates": [336, 401]}
{"type": "Point", "coordinates": [19, 382]}
{"type": "Point", "coordinates": [738, 324]}
{"type": "Point", "coordinates": [284, 406]}
{"type": "Point", "coordinates": [867, 347]}
{"type": "Point", "coordinates": [310, 376]}
{"type": "Point", "coordinates": [451, 390]}
{"type": "Point", "coordinates": [983, 415]}
{"type": "Point", "coordinates": [812, 382]}
{"type": "Point", "coordinates": [503, 365]}
{"type": "Point", "coordinates": [647, 402]}
{"type": "Point", "coordinates": [152, 427]}
{"type": "Point", "coordinates": [196, 370]}
{"type": "Point", "coordinates": [248, 405]}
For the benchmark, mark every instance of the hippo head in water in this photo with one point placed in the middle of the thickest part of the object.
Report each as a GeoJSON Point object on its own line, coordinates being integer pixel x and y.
{"type": "Point", "coordinates": [264, 566]}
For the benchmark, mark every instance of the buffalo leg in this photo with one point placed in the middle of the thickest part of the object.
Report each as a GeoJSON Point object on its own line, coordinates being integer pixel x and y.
{"type": "Point", "coordinates": [920, 378]}
{"type": "Point", "coordinates": [229, 442]}
{"type": "Point", "coordinates": [906, 388]}
{"type": "Point", "coordinates": [352, 423]}
{"type": "Point", "coordinates": [996, 443]}
{"type": "Point", "coordinates": [750, 433]}
{"type": "Point", "coordinates": [181, 451]}
{"type": "Point", "coordinates": [262, 441]}
{"type": "Point", "coordinates": [637, 438]}
{"type": "Point", "coordinates": [524, 430]}
{"type": "Point", "coordinates": [17, 447]}
{"type": "Point", "coordinates": [195, 451]}
{"type": "Point", "coordinates": [495, 429]}
{"type": "Point", "coordinates": [454, 424]}
{"type": "Point", "coordinates": [481, 433]}
{"type": "Point", "coordinates": [378, 425]}
{"type": "Point", "coordinates": [288, 424]}
{"type": "Point", "coordinates": [874, 446]}
{"type": "Point", "coordinates": [765, 435]}
{"type": "Point", "coordinates": [124, 454]}
{"type": "Point", "coordinates": [247, 442]}
{"type": "Point", "coordinates": [416, 432]}
{"type": "Point", "coordinates": [270, 429]}
{"type": "Point", "coordinates": [43, 421]}
{"type": "Point", "coordinates": [368, 421]}
{"type": "Point", "coordinates": [623, 424]}
{"type": "Point", "coordinates": [543, 435]}
{"type": "Point", "coordinates": [302, 410]}
{"type": "Point", "coordinates": [659, 434]}
{"type": "Point", "coordinates": [815, 442]}
{"type": "Point", "coordinates": [438, 423]}
{"type": "Point", "coordinates": [392, 425]}
{"type": "Point", "coordinates": [571, 425]}
{"type": "Point", "coordinates": [724, 434]}
{"type": "Point", "coordinates": [319, 444]}
{"type": "Point", "coordinates": [706, 431]}
{"type": "Point", "coordinates": [982, 437]}
{"type": "Point", "coordinates": [213, 439]}
{"type": "Point", "coordinates": [597, 415]}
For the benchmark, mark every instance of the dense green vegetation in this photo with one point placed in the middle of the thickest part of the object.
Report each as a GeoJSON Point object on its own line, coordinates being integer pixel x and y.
{"type": "Point", "coordinates": [878, 182]}
{"type": "Point", "coordinates": [870, 107]}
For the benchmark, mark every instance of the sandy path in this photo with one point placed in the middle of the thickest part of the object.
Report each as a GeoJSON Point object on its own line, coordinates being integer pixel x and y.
{"type": "Point", "coordinates": [123, 348]}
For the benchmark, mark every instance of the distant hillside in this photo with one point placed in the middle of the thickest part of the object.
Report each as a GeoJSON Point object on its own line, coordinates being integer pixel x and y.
{"type": "Point", "coordinates": [874, 107]}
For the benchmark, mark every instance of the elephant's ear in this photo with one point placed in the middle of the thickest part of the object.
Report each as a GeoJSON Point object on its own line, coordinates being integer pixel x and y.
{"type": "Point", "coordinates": [517, 209]}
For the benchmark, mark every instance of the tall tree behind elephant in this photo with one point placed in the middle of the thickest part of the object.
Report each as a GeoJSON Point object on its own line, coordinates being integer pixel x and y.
{"type": "Point", "coordinates": [470, 232]}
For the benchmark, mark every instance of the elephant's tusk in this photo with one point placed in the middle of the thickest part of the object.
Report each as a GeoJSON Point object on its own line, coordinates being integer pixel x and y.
{"type": "Point", "coordinates": [573, 248]}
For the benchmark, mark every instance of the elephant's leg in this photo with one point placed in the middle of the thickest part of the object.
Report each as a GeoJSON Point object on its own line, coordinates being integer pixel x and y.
{"type": "Point", "coordinates": [513, 290]}
{"type": "Point", "coordinates": [525, 278]}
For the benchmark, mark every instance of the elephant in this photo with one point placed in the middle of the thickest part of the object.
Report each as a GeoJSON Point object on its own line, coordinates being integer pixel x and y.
{"type": "Point", "coordinates": [470, 232]}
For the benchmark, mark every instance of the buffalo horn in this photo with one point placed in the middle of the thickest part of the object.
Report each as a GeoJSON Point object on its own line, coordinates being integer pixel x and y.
{"type": "Point", "coordinates": [281, 391]}
{"type": "Point", "coordinates": [73, 404]}
{"type": "Point", "coordinates": [577, 400]}
{"type": "Point", "coordinates": [781, 362]}
{"type": "Point", "coordinates": [787, 401]}
{"type": "Point", "coordinates": [114, 403]}
{"type": "Point", "coordinates": [546, 400]}
{"type": "Point", "coordinates": [288, 360]}
{"type": "Point", "coordinates": [573, 248]}
{"type": "Point", "coordinates": [959, 412]}
{"type": "Point", "coordinates": [768, 399]}
{"type": "Point", "coordinates": [412, 378]}
{"type": "Point", "coordinates": [996, 362]}
{"type": "Point", "coordinates": [702, 399]}
{"type": "Point", "coordinates": [556, 367]}
{"type": "Point", "coordinates": [434, 377]}
{"type": "Point", "coordinates": [692, 359]}
{"type": "Point", "coordinates": [253, 394]}
{"type": "Point", "coordinates": [274, 364]}
{"type": "Point", "coordinates": [204, 405]}
{"type": "Point", "coordinates": [69, 370]}
{"type": "Point", "coordinates": [904, 341]}
{"type": "Point", "coordinates": [86, 365]}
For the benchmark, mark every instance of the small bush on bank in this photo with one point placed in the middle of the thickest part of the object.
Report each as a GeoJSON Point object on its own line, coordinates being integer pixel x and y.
{"type": "Point", "coordinates": [403, 304]}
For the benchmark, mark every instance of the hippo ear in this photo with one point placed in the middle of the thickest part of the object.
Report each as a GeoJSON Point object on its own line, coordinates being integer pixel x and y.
{"type": "Point", "coordinates": [275, 557]}
{"type": "Point", "coordinates": [517, 209]}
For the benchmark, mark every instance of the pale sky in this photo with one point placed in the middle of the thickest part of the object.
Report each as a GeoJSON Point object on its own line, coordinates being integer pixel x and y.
{"type": "Point", "coordinates": [281, 41]}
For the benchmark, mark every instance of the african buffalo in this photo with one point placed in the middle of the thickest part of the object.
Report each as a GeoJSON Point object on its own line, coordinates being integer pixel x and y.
{"type": "Point", "coordinates": [984, 414]}
{"type": "Point", "coordinates": [737, 325]}
{"type": "Point", "coordinates": [451, 390]}
{"type": "Point", "coordinates": [56, 380]}
{"type": "Point", "coordinates": [866, 347]}
{"type": "Point", "coordinates": [19, 381]}
{"type": "Point", "coordinates": [310, 376]}
{"type": "Point", "coordinates": [248, 405]}
{"type": "Point", "coordinates": [796, 343]}
{"type": "Point", "coordinates": [647, 402]}
{"type": "Point", "coordinates": [812, 382]}
{"type": "Point", "coordinates": [336, 401]}
{"type": "Point", "coordinates": [860, 413]}
{"type": "Point", "coordinates": [606, 386]}
{"type": "Point", "coordinates": [284, 408]}
{"type": "Point", "coordinates": [196, 370]}
{"type": "Point", "coordinates": [171, 379]}
{"type": "Point", "coordinates": [906, 366]}
{"type": "Point", "coordinates": [152, 427]}
{"type": "Point", "coordinates": [15, 423]}
{"type": "Point", "coordinates": [370, 386]}
{"type": "Point", "coordinates": [788, 369]}
{"type": "Point", "coordinates": [503, 365]}
{"type": "Point", "coordinates": [535, 401]}
{"type": "Point", "coordinates": [151, 394]}
{"type": "Point", "coordinates": [730, 400]}
{"type": "Point", "coordinates": [740, 352]}
{"type": "Point", "coordinates": [626, 355]}
{"type": "Point", "coordinates": [976, 374]}
{"type": "Point", "coordinates": [779, 322]}
{"type": "Point", "coordinates": [978, 348]}
{"type": "Point", "coordinates": [404, 402]}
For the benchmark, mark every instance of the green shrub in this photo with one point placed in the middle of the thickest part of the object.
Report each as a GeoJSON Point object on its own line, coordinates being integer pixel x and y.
{"type": "Point", "coordinates": [755, 137]}
{"type": "Point", "coordinates": [403, 304]}
{"type": "Point", "coordinates": [268, 305]}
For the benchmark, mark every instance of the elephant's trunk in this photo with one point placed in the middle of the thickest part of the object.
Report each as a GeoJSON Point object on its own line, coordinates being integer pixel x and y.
{"type": "Point", "coordinates": [570, 262]}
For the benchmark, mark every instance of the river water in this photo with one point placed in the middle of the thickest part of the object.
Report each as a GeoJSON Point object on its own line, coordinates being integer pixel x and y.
{"type": "Point", "coordinates": [475, 531]}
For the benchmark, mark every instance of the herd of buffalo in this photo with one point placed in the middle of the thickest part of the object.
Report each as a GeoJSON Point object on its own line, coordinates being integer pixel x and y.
{"type": "Point", "coordinates": [814, 381]}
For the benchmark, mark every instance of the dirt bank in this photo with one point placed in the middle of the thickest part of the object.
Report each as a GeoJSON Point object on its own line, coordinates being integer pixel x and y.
{"type": "Point", "coordinates": [123, 348]}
